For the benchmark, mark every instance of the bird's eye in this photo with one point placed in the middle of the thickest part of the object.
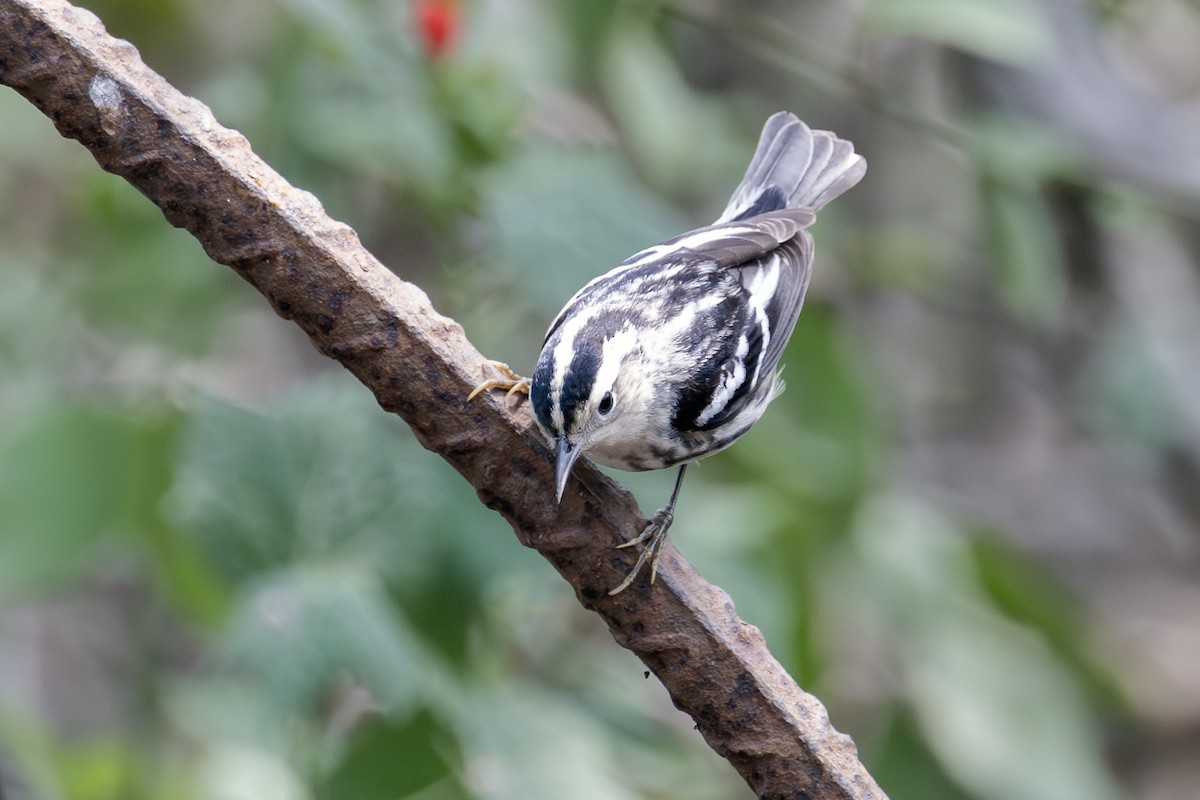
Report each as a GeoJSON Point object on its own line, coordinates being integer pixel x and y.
{"type": "Point", "coordinates": [606, 403]}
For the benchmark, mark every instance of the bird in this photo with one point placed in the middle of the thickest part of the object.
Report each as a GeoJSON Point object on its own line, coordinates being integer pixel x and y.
{"type": "Point", "coordinates": [674, 354]}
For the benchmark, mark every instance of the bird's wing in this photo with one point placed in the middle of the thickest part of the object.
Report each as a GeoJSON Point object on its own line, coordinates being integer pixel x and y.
{"type": "Point", "coordinates": [728, 244]}
{"type": "Point", "coordinates": [733, 244]}
{"type": "Point", "coordinates": [775, 287]}
{"type": "Point", "coordinates": [771, 257]}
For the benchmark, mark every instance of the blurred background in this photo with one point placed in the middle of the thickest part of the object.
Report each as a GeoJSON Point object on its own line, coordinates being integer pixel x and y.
{"type": "Point", "coordinates": [970, 525]}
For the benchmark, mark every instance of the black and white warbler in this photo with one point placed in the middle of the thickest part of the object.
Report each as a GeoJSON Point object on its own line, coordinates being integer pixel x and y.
{"type": "Point", "coordinates": [672, 355]}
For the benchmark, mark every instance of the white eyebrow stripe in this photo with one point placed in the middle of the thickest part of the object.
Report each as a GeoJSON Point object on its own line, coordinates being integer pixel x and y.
{"type": "Point", "coordinates": [613, 354]}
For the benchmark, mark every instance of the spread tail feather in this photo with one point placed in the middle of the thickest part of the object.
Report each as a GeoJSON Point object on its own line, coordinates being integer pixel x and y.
{"type": "Point", "coordinates": [794, 167]}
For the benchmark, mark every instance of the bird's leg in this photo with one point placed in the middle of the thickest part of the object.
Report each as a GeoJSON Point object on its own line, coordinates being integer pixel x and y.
{"type": "Point", "coordinates": [512, 383]}
{"type": "Point", "coordinates": [653, 536]}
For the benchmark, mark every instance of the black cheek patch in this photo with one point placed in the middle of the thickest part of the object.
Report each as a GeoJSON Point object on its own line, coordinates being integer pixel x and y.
{"type": "Point", "coordinates": [539, 390]}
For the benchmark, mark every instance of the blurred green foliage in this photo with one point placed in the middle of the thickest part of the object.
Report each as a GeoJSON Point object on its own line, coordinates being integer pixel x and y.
{"type": "Point", "coordinates": [225, 573]}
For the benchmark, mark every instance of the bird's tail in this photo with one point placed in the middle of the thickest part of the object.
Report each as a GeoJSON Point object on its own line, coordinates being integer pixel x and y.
{"type": "Point", "coordinates": [794, 167]}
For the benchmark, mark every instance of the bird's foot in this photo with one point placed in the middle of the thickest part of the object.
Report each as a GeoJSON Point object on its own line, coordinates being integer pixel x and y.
{"type": "Point", "coordinates": [512, 383]}
{"type": "Point", "coordinates": [653, 536]}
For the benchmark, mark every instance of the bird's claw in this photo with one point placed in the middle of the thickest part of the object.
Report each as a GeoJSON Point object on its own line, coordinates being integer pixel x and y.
{"type": "Point", "coordinates": [653, 536]}
{"type": "Point", "coordinates": [512, 383]}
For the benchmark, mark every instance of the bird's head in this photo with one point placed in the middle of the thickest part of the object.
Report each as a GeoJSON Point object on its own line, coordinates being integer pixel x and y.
{"type": "Point", "coordinates": [581, 393]}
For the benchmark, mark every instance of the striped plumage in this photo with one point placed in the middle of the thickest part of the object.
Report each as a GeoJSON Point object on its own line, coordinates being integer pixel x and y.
{"type": "Point", "coordinates": [686, 341]}
{"type": "Point", "coordinates": [673, 354]}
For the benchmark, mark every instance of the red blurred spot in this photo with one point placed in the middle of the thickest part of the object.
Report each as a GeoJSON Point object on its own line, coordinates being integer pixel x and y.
{"type": "Point", "coordinates": [438, 24]}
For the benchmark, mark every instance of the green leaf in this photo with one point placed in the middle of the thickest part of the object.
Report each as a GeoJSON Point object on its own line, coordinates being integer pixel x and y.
{"type": "Point", "coordinates": [71, 477]}
{"type": "Point", "coordinates": [390, 758]}
{"type": "Point", "coordinates": [1023, 590]}
{"type": "Point", "coordinates": [659, 114]}
{"type": "Point", "coordinates": [1003, 714]}
{"type": "Point", "coordinates": [559, 217]}
{"type": "Point", "coordinates": [1029, 273]}
{"type": "Point", "coordinates": [902, 763]}
{"type": "Point", "coordinates": [140, 278]}
{"type": "Point", "coordinates": [317, 479]}
{"type": "Point", "coordinates": [1127, 396]}
{"type": "Point", "coordinates": [1017, 161]}
{"type": "Point", "coordinates": [527, 743]}
{"type": "Point", "coordinates": [101, 769]}
{"type": "Point", "coordinates": [1014, 31]}
{"type": "Point", "coordinates": [820, 439]}
{"type": "Point", "coordinates": [327, 478]}
{"type": "Point", "coordinates": [301, 632]}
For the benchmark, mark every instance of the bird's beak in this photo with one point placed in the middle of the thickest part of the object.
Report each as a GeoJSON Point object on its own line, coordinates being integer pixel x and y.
{"type": "Point", "coordinates": [568, 454]}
